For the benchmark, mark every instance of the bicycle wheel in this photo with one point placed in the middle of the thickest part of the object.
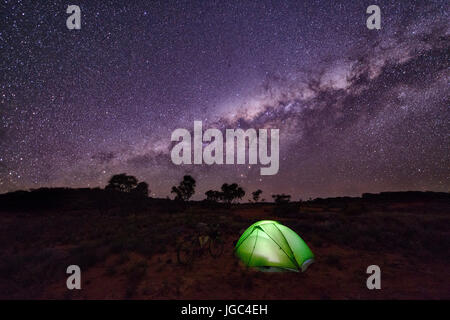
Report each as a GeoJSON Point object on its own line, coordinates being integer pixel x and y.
{"type": "Point", "coordinates": [215, 247]}
{"type": "Point", "coordinates": [185, 252]}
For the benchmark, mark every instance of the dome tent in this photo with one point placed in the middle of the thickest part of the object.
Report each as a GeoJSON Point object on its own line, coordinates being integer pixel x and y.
{"type": "Point", "coordinates": [273, 246]}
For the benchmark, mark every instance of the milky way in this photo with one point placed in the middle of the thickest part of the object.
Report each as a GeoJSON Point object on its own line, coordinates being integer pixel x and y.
{"type": "Point", "coordinates": [358, 110]}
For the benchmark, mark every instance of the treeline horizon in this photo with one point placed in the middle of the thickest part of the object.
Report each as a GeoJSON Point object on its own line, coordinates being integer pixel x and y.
{"type": "Point", "coordinates": [229, 192]}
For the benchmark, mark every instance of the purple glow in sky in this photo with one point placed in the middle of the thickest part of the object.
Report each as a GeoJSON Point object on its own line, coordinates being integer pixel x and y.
{"type": "Point", "coordinates": [358, 110]}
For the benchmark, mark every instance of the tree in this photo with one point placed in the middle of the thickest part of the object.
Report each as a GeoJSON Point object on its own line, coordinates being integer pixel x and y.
{"type": "Point", "coordinates": [213, 195]}
{"type": "Point", "coordinates": [256, 194]}
{"type": "Point", "coordinates": [141, 189]}
{"type": "Point", "coordinates": [281, 198]}
{"type": "Point", "coordinates": [185, 189]}
{"type": "Point", "coordinates": [122, 183]}
{"type": "Point", "coordinates": [231, 192]}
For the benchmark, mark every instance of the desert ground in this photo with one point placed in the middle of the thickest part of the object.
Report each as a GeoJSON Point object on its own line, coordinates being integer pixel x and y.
{"type": "Point", "coordinates": [129, 251]}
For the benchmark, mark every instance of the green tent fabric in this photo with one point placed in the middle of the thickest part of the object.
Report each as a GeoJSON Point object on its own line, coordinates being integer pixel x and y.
{"type": "Point", "coordinates": [269, 244]}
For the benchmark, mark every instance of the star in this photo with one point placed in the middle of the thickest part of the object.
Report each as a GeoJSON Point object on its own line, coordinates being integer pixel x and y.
{"type": "Point", "coordinates": [358, 110]}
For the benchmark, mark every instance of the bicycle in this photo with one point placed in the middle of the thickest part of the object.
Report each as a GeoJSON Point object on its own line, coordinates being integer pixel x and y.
{"type": "Point", "coordinates": [195, 246]}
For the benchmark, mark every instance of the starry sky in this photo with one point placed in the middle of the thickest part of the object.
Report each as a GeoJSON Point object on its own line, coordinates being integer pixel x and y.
{"type": "Point", "coordinates": [358, 110]}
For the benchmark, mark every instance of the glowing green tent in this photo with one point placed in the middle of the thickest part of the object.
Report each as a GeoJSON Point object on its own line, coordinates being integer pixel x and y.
{"type": "Point", "coordinates": [272, 246]}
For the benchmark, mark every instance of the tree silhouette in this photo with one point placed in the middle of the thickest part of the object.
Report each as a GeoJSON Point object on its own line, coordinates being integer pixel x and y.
{"type": "Point", "coordinates": [137, 194]}
{"type": "Point", "coordinates": [231, 192]}
{"type": "Point", "coordinates": [281, 198]}
{"type": "Point", "coordinates": [213, 195]}
{"type": "Point", "coordinates": [256, 194]}
{"type": "Point", "coordinates": [185, 189]}
{"type": "Point", "coordinates": [283, 206]}
{"type": "Point", "coordinates": [141, 189]}
{"type": "Point", "coordinates": [122, 183]}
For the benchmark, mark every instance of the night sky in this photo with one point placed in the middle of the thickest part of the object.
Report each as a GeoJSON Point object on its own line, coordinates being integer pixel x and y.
{"type": "Point", "coordinates": [358, 110]}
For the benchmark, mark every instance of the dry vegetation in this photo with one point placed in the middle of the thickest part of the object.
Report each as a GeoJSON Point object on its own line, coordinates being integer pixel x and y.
{"type": "Point", "coordinates": [127, 250]}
